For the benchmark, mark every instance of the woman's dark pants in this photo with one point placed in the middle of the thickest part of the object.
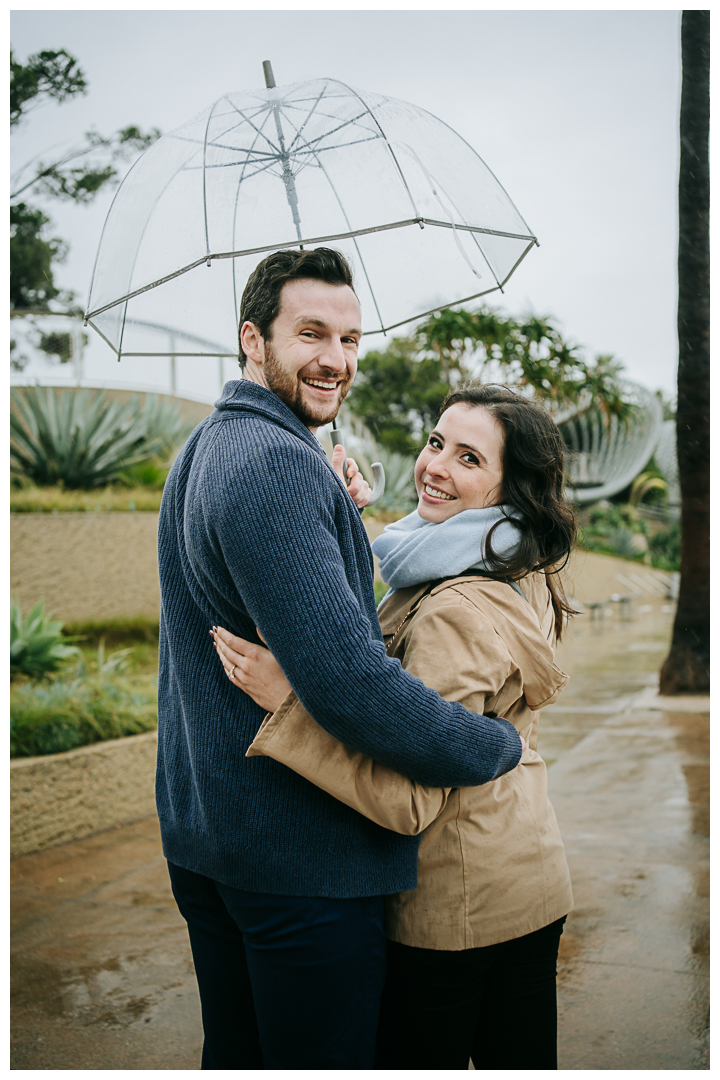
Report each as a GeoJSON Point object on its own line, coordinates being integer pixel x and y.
{"type": "Point", "coordinates": [496, 1005]}
{"type": "Point", "coordinates": [286, 982]}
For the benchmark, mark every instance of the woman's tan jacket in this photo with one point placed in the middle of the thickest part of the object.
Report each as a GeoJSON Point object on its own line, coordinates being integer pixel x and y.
{"type": "Point", "coordinates": [491, 864]}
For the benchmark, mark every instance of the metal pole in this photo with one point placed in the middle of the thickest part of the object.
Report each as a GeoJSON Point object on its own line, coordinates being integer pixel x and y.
{"type": "Point", "coordinates": [173, 367]}
{"type": "Point", "coordinates": [268, 73]}
{"type": "Point", "coordinates": [288, 178]}
{"type": "Point", "coordinates": [77, 350]}
{"type": "Point", "coordinates": [378, 489]}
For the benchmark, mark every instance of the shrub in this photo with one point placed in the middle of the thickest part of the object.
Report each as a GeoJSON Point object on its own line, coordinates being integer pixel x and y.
{"type": "Point", "coordinates": [147, 474]}
{"type": "Point", "coordinates": [57, 344]}
{"type": "Point", "coordinates": [85, 708]}
{"type": "Point", "coordinates": [37, 645]}
{"type": "Point", "coordinates": [665, 548]}
{"type": "Point", "coordinates": [614, 530]}
{"type": "Point", "coordinates": [85, 440]}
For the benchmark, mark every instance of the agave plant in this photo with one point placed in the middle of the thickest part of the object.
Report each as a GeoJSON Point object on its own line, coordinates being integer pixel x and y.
{"type": "Point", "coordinates": [37, 646]}
{"type": "Point", "coordinates": [85, 440]}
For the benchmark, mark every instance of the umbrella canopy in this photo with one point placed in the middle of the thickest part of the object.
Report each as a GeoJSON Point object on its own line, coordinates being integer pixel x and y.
{"type": "Point", "coordinates": [422, 219]}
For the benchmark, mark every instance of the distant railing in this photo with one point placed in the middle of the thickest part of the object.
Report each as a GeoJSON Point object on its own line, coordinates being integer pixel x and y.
{"type": "Point", "coordinates": [83, 360]}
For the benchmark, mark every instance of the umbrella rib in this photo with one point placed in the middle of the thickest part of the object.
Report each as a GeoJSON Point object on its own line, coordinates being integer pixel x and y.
{"type": "Point", "coordinates": [307, 118]}
{"type": "Point", "coordinates": [387, 143]}
{"type": "Point", "coordinates": [492, 174]}
{"type": "Point", "coordinates": [287, 174]}
{"type": "Point", "coordinates": [176, 353]}
{"type": "Point", "coordinates": [487, 261]}
{"type": "Point", "coordinates": [235, 126]}
{"type": "Point", "coordinates": [315, 154]}
{"type": "Point", "coordinates": [234, 165]}
{"type": "Point", "coordinates": [254, 126]}
{"type": "Point", "coordinates": [442, 307]}
{"type": "Point", "coordinates": [327, 134]}
{"type": "Point", "coordinates": [145, 288]}
{"type": "Point", "coordinates": [204, 184]}
{"type": "Point", "coordinates": [479, 229]}
{"type": "Point", "coordinates": [106, 340]}
{"type": "Point", "coordinates": [234, 226]}
{"type": "Point", "coordinates": [434, 186]}
{"type": "Point", "coordinates": [507, 277]}
{"type": "Point", "coordinates": [290, 106]}
{"type": "Point", "coordinates": [369, 127]}
{"type": "Point", "coordinates": [338, 146]}
{"type": "Point", "coordinates": [241, 149]}
{"type": "Point", "coordinates": [102, 236]}
{"type": "Point", "coordinates": [260, 134]}
{"type": "Point", "coordinates": [169, 329]}
{"type": "Point", "coordinates": [318, 240]}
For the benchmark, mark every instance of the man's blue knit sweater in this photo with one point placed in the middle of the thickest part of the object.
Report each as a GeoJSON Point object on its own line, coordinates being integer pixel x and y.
{"type": "Point", "coordinates": [257, 530]}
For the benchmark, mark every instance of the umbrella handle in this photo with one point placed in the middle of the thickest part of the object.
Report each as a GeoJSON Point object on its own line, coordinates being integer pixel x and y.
{"type": "Point", "coordinates": [378, 489]}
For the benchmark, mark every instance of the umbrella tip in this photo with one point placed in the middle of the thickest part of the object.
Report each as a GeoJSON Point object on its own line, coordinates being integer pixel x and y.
{"type": "Point", "coordinates": [268, 73]}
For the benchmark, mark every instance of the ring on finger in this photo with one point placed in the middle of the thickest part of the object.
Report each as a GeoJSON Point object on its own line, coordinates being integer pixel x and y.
{"type": "Point", "coordinates": [231, 672]}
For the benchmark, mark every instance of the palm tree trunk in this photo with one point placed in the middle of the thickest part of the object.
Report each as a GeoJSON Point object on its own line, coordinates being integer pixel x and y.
{"type": "Point", "coordinates": [687, 667]}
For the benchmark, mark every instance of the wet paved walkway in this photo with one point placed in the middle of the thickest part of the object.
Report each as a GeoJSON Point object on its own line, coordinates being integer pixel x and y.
{"type": "Point", "coordinates": [102, 974]}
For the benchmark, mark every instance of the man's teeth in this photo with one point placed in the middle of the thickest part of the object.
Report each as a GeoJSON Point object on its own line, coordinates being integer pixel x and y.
{"type": "Point", "coordinates": [321, 384]}
{"type": "Point", "coordinates": [435, 494]}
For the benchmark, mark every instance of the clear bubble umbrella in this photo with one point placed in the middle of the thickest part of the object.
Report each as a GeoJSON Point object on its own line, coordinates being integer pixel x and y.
{"type": "Point", "coordinates": [423, 220]}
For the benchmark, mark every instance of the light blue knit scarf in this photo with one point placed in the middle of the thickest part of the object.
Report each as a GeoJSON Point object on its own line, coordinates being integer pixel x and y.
{"type": "Point", "coordinates": [412, 550]}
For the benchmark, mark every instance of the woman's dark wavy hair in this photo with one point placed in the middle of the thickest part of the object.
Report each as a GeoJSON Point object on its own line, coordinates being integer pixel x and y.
{"type": "Point", "coordinates": [533, 464]}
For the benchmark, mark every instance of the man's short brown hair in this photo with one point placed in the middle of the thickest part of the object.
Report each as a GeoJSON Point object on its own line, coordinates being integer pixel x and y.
{"type": "Point", "coordinates": [260, 302]}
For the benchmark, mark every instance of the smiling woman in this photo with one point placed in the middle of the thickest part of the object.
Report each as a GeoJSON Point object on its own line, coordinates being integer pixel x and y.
{"type": "Point", "coordinates": [461, 466]}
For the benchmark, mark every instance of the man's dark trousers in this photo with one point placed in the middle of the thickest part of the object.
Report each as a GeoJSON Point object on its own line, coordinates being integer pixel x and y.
{"type": "Point", "coordinates": [286, 982]}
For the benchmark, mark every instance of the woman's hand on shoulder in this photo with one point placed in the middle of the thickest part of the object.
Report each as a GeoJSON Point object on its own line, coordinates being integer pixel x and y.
{"type": "Point", "coordinates": [251, 668]}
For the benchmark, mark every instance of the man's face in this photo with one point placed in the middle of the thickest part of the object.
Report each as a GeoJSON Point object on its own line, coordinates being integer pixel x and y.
{"type": "Point", "coordinates": [310, 359]}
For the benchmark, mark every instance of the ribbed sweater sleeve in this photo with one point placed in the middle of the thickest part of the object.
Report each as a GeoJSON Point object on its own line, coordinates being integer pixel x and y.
{"type": "Point", "coordinates": [271, 518]}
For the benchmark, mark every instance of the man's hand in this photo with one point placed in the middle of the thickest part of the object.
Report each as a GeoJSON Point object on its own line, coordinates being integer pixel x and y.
{"type": "Point", "coordinates": [252, 668]}
{"type": "Point", "coordinates": [358, 487]}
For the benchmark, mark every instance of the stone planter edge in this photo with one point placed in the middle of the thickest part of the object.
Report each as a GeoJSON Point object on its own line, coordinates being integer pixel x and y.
{"type": "Point", "coordinates": [61, 797]}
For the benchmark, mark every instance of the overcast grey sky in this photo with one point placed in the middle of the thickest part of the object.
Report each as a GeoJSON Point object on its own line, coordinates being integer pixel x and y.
{"type": "Point", "coordinates": [576, 112]}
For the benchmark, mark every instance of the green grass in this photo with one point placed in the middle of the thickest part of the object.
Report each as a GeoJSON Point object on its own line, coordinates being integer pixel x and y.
{"type": "Point", "coordinates": [56, 500]}
{"type": "Point", "coordinates": [101, 696]}
{"type": "Point", "coordinates": [116, 633]}
{"type": "Point", "coordinates": [51, 717]}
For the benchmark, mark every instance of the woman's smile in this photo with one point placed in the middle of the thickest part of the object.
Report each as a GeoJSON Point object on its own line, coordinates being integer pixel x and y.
{"type": "Point", "coordinates": [433, 494]}
{"type": "Point", "coordinates": [460, 468]}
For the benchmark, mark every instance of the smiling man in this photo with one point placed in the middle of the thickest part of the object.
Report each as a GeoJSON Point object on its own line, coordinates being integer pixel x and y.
{"type": "Point", "coordinates": [317, 334]}
{"type": "Point", "coordinates": [281, 885]}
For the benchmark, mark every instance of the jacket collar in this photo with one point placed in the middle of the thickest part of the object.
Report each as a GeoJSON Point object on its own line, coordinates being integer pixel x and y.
{"type": "Point", "coordinates": [515, 620]}
{"type": "Point", "coordinates": [241, 396]}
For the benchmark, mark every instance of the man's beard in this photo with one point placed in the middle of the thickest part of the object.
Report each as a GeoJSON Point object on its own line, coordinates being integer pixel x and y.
{"type": "Point", "coordinates": [288, 387]}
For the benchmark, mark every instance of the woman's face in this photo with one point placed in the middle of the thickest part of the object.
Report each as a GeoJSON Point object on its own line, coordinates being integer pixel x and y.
{"type": "Point", "coordinates": [461, 466]}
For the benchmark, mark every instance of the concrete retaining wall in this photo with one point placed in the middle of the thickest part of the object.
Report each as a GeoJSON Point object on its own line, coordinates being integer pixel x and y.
{"type": "Point", "coordinates": [86, 567]}
{"type": "Point", "coordinates": [67, 796]}
{"type": "Point", "coordinates": [90, 567]}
